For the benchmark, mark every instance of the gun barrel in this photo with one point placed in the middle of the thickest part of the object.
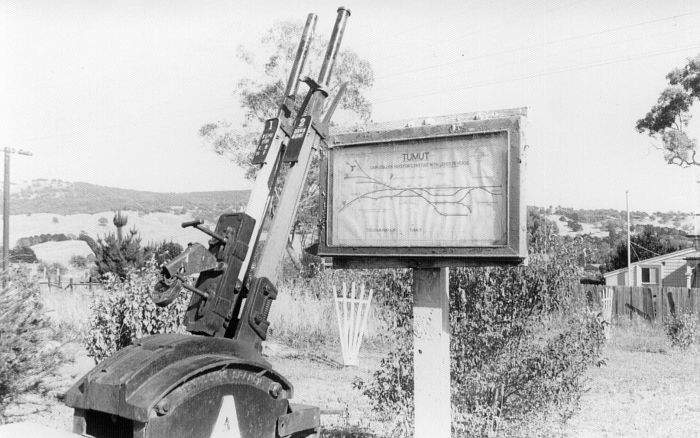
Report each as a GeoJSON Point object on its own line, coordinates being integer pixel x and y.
{"type": "Point", "coordinates": [333, 46]}
{"type": "Point", "coordinates": [302, 52]}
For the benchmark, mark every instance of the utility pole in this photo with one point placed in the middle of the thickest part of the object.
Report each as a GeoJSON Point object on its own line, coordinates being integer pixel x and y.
{"type": "Point", "coordinates": [629, 254]}
{"type": "Point", "coordinates": [6, 207]}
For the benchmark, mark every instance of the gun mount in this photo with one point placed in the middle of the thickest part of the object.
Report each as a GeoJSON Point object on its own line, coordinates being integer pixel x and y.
{"type": "Point", "coordinates": [215, 382]}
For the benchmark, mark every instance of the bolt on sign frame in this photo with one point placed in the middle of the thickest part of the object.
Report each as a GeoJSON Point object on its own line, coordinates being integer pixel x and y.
{"type": "Point", "coordinates": [426, 193]}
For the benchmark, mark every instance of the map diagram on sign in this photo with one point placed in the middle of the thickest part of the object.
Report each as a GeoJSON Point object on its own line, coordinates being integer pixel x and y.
{"type": "Point", "coordinates": [439, 192]}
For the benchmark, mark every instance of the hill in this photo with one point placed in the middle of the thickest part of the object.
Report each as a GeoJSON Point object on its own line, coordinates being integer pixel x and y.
{"type": "Point", "coordinates": [602, 222]}
{"type": "Point", "coordinates": [68, 198]}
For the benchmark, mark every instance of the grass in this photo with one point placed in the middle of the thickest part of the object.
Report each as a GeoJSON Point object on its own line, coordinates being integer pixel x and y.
{"type": "Point", "coordinates": [68, 310]}
{"type": "Point", "coordinates": [646, 388]}
{"type": "Point", "coordinates": [304, 315]}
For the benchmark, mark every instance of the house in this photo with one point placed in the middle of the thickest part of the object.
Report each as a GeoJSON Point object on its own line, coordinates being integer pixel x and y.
{"type": "Point", "coordinates": [675, 269]}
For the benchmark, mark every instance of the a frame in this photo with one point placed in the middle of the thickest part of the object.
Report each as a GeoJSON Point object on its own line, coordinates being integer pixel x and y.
{"type": "Point", "coordinates": [426, 193]}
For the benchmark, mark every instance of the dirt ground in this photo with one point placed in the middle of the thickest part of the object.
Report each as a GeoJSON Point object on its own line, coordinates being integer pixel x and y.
{"type": "Point", "coordinates": [646, 389]}
{"type": "Point", "coordinates": [318, 377]}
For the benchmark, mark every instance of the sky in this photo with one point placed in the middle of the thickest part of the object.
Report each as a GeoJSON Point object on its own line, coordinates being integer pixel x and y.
{"type": "Point", "coordinates": [114, 93]}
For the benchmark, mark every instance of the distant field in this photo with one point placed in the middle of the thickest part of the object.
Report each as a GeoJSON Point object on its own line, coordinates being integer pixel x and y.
{"type": "Point", "coordinates": [152, 227]}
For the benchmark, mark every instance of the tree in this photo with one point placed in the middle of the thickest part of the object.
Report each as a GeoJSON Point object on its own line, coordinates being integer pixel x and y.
{"type": "Point", "coordinates": [260, 98]}
{"type": "Point", "coordinates": [669, 117]}
{"type": "Point", "coordinates": [120, 221]}
{"type": "Point", "coordinates": [118, 256]}
{"type": "Point", "coordinates": [650, 242]}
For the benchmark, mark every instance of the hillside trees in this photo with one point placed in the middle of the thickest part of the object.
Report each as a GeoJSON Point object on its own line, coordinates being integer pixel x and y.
{"type": "Point", "coordinates": [261, 94]}
{"type": "Point", "coordinates": [650, 242]}
{"type": "Point", "coordinates": [669, 117]}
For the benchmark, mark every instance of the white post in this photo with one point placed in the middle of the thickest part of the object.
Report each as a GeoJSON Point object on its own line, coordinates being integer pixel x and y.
{"type": "Point", "coordinates": [431, 352]}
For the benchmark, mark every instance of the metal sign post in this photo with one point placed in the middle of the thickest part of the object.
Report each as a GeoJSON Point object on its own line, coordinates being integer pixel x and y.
{"type": "Point", "coordinates": [431, 352]}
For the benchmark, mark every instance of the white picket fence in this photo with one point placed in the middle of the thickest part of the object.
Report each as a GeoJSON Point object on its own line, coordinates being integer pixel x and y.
{"type": "Point", "coordinates": [351, 311]}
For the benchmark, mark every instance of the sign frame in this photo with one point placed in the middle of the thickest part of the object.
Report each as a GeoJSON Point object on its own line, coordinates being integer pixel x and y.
{"type": "Point", "coordinates": [463, 125]}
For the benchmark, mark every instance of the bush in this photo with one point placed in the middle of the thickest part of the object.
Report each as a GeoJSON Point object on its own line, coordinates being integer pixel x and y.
{"type": "Point", "coordinates": [522, 340]}
{"type": "Point", "coordinates": [26, 351]}
{"type": "Point", "coordinates": [127, 313]}
{"type": "Point", "coordinates": [22, 255]}
{"type": "Point", "coordinates": [681, 328]}
{"type": "Point", "coordinates": [118, 256]}
{"type": "Point", "coordinates": [163, 251]}
{"type": "Point", "coordinates": [78, 261]}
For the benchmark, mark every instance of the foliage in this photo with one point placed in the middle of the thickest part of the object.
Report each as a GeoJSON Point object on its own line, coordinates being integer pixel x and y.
{"type": "Point", "coordinates": [681, 329]}
{"type": "Point", "coordinates": [51, 268]}
{"type": "Point", "coordinates": [574, 226]}
{"type": "Point", "coordinates": [127, 313]}
{"type": "Point", "coordinates": [521, 341]}
{"type": "Point", "coordinates": [94, 247]}
{"type": "Point", "coordinates": [163, 251]}
{"type": "Point", "coordinates": [26, 242]}
{"type": "Point", "coordinates": [78, 261]}
{"type": "Point", "coordinates": [391, 389]}
{"type": "Point", "coordinates": [28, 349]}
{"type": "Point", "coordinates": [650, 242]}
{"type": "Point", "coordinates": [22, 255]}
{"type": "Point", "coordinates": [669, 117]}
{"type": "Point", "coordinates": [260, 99]}
{"type": "Point", "coordinates": [117, 256]}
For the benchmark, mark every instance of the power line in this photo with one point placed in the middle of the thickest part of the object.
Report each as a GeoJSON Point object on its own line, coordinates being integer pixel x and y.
{"type": "Point", "coordinates": [525, 7]}
{"type": "Point", "coordinates": [534, 46]}
{"type": "Point", "coordinates": [645, 249]}
{"type": "Point", "coordinates": [508, 63]}
{"type": "Point", "coordinates": [541, 74]}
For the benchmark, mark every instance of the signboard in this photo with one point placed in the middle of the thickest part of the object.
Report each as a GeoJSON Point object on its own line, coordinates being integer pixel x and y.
{"type": "Point", "coordinates": [447, 192]}
{"type": "Point", "coordinates": [265, 141]}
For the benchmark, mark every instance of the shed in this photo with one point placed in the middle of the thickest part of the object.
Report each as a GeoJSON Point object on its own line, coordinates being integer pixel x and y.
{"type": "Point", "coordinates": [675, 269]}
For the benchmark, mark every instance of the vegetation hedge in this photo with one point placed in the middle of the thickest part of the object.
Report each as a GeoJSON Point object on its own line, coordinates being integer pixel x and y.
{"type": "Point", "coordinates": [126, 313]}
{"type": "Point", "coordinates": [28, 345]}
{"type": "Point", "coordinates": [522, 340]}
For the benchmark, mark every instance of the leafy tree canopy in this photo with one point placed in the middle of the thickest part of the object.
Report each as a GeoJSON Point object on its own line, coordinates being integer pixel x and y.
{"type": "Point", "coordinates": [261, 93]}
{"type": "Point", "coordinates": [669, 117]}
{"type": "Point", "coordinates": [650, 242]}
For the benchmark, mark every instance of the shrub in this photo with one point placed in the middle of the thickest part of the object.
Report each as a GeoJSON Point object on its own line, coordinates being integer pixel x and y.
{"type": "Point", "coordinates": [118, 255]}
{"type": "Point", "coordinates": [127, 313]}
{"type": "Point", "coordinates": [681, 328]}
{"type": "Point", "coordinates": [22, 255]}
{"type": "Point", "coordinates": [78, 261]}
{"type": "Point", "coordinates": [26, 351]}
{"type": "Point", "coordinates": [521, 341]}
{"type": "Point", "coordinates": [163, 251]}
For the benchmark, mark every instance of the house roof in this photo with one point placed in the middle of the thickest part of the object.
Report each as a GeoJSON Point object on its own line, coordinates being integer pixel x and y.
{"type": "Point", "coordinates": [685, 253]}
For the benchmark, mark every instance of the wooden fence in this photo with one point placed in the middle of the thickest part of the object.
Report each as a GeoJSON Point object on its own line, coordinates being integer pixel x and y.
{"type": "Point", "coordinates": [652, 303]}
{"type": "Point", "coordinates": [70, 285]}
